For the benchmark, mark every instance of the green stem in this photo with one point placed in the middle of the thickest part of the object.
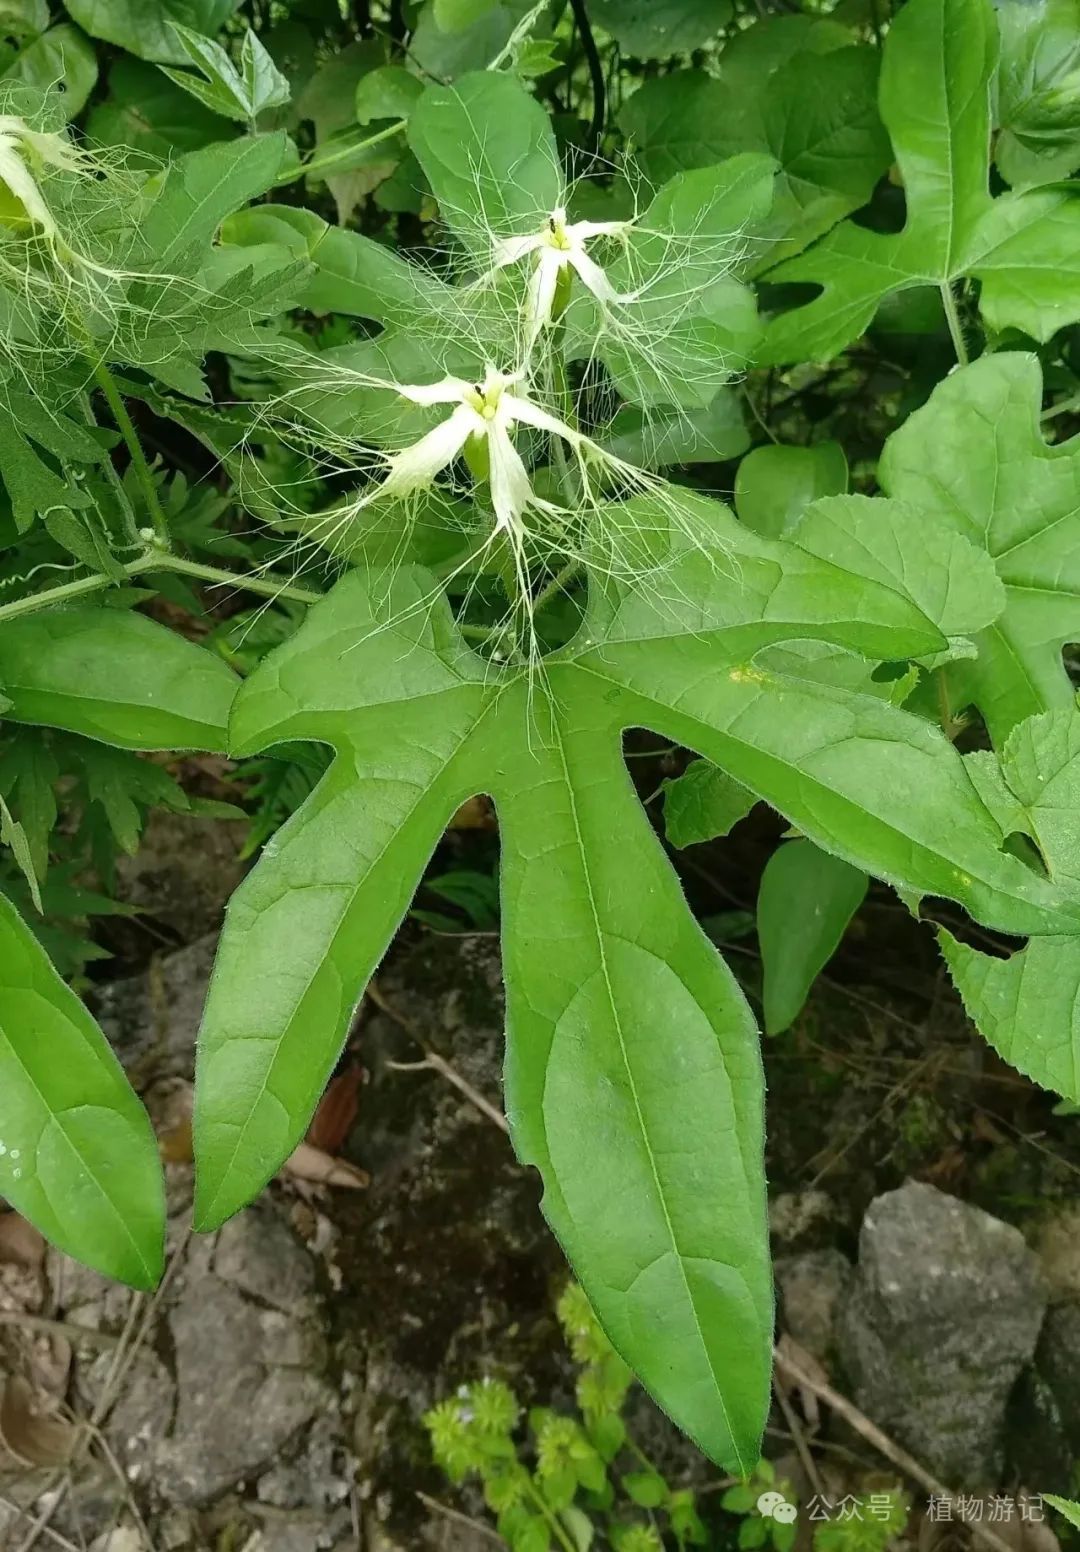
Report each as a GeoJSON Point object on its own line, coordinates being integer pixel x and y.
{"type": "Point", "coordinates": [107, 383]}
{"type": "Point", "coordinates": [83, 587]}
{"type": "Point", "coordinates": [549, 1515]}
{"type": "Point", "coordinates": [321, 165]}
{"type": "Point", "coordinates": [952, 318]}
{"type": "Point", "coordinates": [123, 499]}
{"type": "Point", "coordinates": [556, 585]}
{"type": "Point", "coordinates": [1062, 407]}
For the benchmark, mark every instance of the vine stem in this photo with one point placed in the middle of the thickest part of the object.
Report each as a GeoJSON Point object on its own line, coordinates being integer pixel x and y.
{"type": "Point", "coordinates": [83, 587]}
{"type": "Point", "coordinates": [557, 584]}
{"type": "Point", "coordinates": [952, 318]}
{"type": "Point", "coordinates": [333, 158]}
{"type": "Point", "coordinates": [107, 383]}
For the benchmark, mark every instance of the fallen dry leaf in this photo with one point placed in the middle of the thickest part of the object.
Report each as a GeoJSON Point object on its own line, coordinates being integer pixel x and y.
{"type": "Point", "coordinates": [318, 1168]}
{"type": "Point", "coordinates": [30, 1428]}
{"type": "Point", "coordinates": [336, 1111]}
{"type": "Point", "coordinates": [20, 1243]}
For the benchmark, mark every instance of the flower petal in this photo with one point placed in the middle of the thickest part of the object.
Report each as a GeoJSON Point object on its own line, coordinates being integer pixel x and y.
{"type": "Point", "coordinates": [416, 466]}
{"type": "Point", "coordinates": [541, 293]}
{"type": "Point", "coordinates": [530, 414]}
{"type": "Point", "coordinates": [449, 391]}
{"type": "Point", "coordinates": [511, 488]}
{"type": "Point", "coordinates": [593, 276]}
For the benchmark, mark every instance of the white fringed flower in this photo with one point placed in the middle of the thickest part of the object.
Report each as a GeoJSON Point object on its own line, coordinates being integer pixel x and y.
{"type": "Point", "coordinates": [20, 147]}
{"type": "Point", "coordinates": [558, 246]}
{"type": "Point", "coordinates": [487, 411]}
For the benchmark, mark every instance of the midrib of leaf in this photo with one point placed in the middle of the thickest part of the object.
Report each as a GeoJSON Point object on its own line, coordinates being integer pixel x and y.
{"type": "Point", "coordinates": [55, 1117]}
{"type": "Point", "coordinates": [558, 730]}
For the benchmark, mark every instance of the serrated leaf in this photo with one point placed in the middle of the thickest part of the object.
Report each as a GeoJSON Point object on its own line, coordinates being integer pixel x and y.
{"type": "Point", "coordinates": [114, 676]}
{"type": "Point", "coordinates": [13, 836]}
{"type": "Point", "coordinates": [28, 773]}
{"type": "Point", "coordinates": [974, 462]}
{"type": "Point", "coordinates": [703, 804]}
{"type": "Point", "coordinates": [77, 1153]}
{"type": "Point", "coordinates": [1026, 1006]}
{"type": "Point", "coordinates": [939, 58]}
{"type": "Point", "coordinates": [775, 484]}
{"type": "Point", "coordinates": [805, 903]}
{"type": "Point", "coordinates": [488, 150]}
{"type": "Point", "coordinates": [793, 95]}
{"type": "Point", "coordinates": [1066, 1506]}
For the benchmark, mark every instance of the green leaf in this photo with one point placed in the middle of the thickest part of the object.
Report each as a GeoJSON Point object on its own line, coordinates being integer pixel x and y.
{"type": "Point", "coordinates": [388, 92]}
{"type": "Point", "coordinates": [456, 15]}
{"type": "Point", "coordinates": [1027, 1006]}
{"type": "Point", "coordinates": [28, 773]}
{"type": "Point", "coordinates": [692, 324]}
{"type": "Point", "coordinates": [351, 273]}
{"type": "Point", "coordinates": [14, 836]}
{"type": "Point", "coordinates": [349, 168]}
{"type": "Point", "coordinates": [1038, 91]}
{"type": "Point", "coordinates": [974, 462]}
{"type": "Point", "coordinates": [447, 56]}
{"type": "Point", "coordinates": [625, 1030]}
{"type": "Point", "coordinates": [1065, 1506]}
{"type": "Point", "coordinates": [656, 29]}
{"type": "Point", "coordinates": [661, 437]}
{"type": "Point", "coordinates": [645, 1488]}
{"type": "Point", "coordinates": [949, 578]}
{"type": "Point", "coordinates": [774, 484]}
{"type": "Point", "coordinates": [61, 54]}
{"type": "Point", "coordinates": [936, 76]}
{"type": "Point", "coordinates": [703, 804]}
{"type": "Point", "coordinates": [805, 903]}
{"type": "Point", "coordinates": [188, 203]}
{"type": "Point", "coordinates": [792, 95]}
{"type": "Point", "coordinates": [489, 153]}
{"type": "Point", "coordinates": [147, 27]}
{"type": "Point", "coordinates": [114, 676]}
{"type": "Point", "coordinates": [236, 94]}
{"type": "Point", "coordinates": [77, 1153]}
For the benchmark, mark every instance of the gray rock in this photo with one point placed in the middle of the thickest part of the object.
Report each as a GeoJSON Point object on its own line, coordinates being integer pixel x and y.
{"type": "Point", "coordinates": [944, 1314]}
{"type": "Point", "coordinates": [801, 1220]}
{"type": "Point", "coordinates": [237, 1407]}
{"type": "Point", "coordinates": [1057, 1245]}
{"type": "Point", "coordinates": [152, 1019]}
{"type": "Point", "coordinates": [812, 1288]}
{"type": "Point", "coordinates": [1057, 1365]}
{"type": "Point", "coordinates": [258, 1253]}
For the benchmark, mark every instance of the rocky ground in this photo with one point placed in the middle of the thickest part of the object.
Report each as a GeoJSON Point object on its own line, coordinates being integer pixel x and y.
{"type": "Point", "coordinates": [269, 1397]}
